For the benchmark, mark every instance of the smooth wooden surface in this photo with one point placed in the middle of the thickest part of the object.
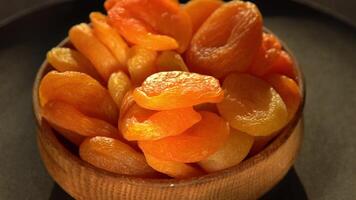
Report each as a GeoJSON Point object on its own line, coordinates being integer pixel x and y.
{"type": "Point", "coordinates": [249, 180]}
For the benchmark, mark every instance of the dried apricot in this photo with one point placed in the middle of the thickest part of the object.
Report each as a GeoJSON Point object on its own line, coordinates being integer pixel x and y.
{"type": "Point", "coordinates": [115, 156]}
{"type": "Point", "coordinates": [142, 124]}
{"type": "Point", "coordinates": [177, 89]}
{"type": "Point", "coordinates": [173, 169]}
{"type": "Point", "coordinates": [141, 63]}
{"type": "Point", "coordinates": [170, 61]}
{"type": "Point", "coordinates": [284, 65]}
{"type": "Point", "coordinates": [71, 136]}
{"type": "Point", "coordinates": [195, 144]}
{"type": "Point", "coordinates": [227, 41]}
{"type": "Point", "coordinates": [81, 91]}
{"type": "Point", "coordinates": [118, 85]}
{"type": "Point", "coordinates": [260, 142]}
{"type": "Point", "coordinates": [66, 59]}
{"type": "Point", "coordinates": [110, 38]}
{"type": "Point", "coordinates": [84, 40]}
{"type": "Point", "coordinates": [288, 89]}
{"type": "Point", "coordinates": [69, 118]}
{"type": "Point", "coordinates": [252, 106]}
{"type": "Point", "coordinates": [200, 10]}
{"type": "Point", "coordinates": [211, 107]}
{"type": "Point", "coordinates": [231, 153]}
{"type": "Point", "coordinates": [271, 41]}
{"type": "Point", "coordinates": [127, 103]}
{"type": "Point", "coordinates": [154, 24]}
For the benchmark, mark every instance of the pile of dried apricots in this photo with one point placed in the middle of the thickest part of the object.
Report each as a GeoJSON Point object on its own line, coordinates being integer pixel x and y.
{"type": "Point", "coordinates": [155, 87]}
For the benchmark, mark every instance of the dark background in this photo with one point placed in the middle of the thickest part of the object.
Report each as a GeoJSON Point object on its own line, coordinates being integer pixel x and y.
{"type": "Point", "coordinates": [326, 167]}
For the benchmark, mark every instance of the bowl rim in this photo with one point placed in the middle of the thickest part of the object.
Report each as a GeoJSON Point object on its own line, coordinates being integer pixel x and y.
{"type": "Point", "coordinates": [285, 133]}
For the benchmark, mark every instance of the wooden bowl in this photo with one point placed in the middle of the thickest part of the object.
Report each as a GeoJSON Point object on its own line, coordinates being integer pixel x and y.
{"type": "Point", "coordinates": [249, 180]}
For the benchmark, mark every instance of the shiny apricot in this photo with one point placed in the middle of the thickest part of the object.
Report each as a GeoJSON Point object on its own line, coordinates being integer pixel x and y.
{"type": "Point", "coordinates": [66, 59]}
{"type": "Point", "coordinates": [115, 156]}
{"type": "Point", "coordinates": [173, 169]}
{"type": "Point", "coordinates": [230, 154]}
{"type": "Point", "coordinates": [80, 90]}
{"type": "Point", "coordinates": [177, 89]}
{"type": "Point", "coordinates": [170, 61]}
{"type": "Point", "coordinates": [118, 85]}
{"type": "Point", "coordinates": [142, 124]}
{"type": "Point", "coordinates": [110, 38]}
{"type": "Point", "coordinates": [141, 64]}
{"type": "Point", "coordinates": [200, 10]}
{"type": "Point", "coordinates": [154, 24]}
{"type": "Point", "coordinates": [251, 105]}
{"type": "Point", "coordinates": [227, 41]}
{"type": "Point", "coordinates": [68, 118]}
{"type": "Point", "coordinates": [84, 40]}
{"type": "Point", "coordinates": [195, 144]}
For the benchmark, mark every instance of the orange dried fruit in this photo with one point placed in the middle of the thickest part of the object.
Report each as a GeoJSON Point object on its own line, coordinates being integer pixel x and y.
{"type": "Point", "coordinates": [143, 124]}
{"type": "Point", "coordinates": [80, 90]}
{"type": "Point", "coordinates": [288, 89]}
{"type": "Point", "coordinates": [118, 85]}
{"type": "Point", "coordinates": [200, 10]}
{"type": "Point", "coordinates": [284, 65]}
{"type": "Point", "coordinates": [127, 103]}
{"type": "Point", "coordinates": [110, 38]}
{"type": "Point", "coordinates": [71, 136]}
{"type": "Point", "coordinates": [260, 142]}
{"type": "Point", "coordinates": [177, 89]}
{"type": "Point", "coordinates": [68, 118]}
{"type": "Point", "coordinates": [173, 169]}
{"type": "Point", "coordinates": [84, 40]}
{"type": "Point", "coordinates": [154, 24]}
{"type": "Point", "coordinates": [252, 106]}
{"type": "Point", "coordinates": [141, 64]}
{"type": "Point", "coordinates": [115, 156]}
{"type": "Point", "coordinates": [170, 61]}
{"type": "Point", "coordinates": [211, 107]}
{"type": "Point", "coordinates": [227, 41]}
{"type": "Point", "coordinates": [271, 41]}
{"type": "Point", "coordinates": [230, 154]}
{"type": "Point", "coordinates": [66, 59]}
{"type": "Point", "coordinates": [195, 144]}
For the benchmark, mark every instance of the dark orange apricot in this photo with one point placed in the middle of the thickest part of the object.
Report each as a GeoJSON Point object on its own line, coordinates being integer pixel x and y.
{"type": "Point", "coordinates": [270, 41]}
{"type": "Point", "coordinates": [143, 124]}
{"type": "Point", "coordinates": [195, 144]}
{"type": "Point", "coordinates": [252, 106]}
{"type": "Point", "coordinates": [110, 38]}
{"type": "Point", "coordinates": [141, 64]}
{"type": "Point", "coordinates": [66, 59]}
{"type": "Point", "coordinates": [84, 40]}
{"type": "Point", "coordinates": [177, 89]}
{"type": "Point", "coordinates": [227, 41]}
{"type": "Point", "coordinates": [115, 156]}
{"type": "Point", "coordinates": [170, 61]}
{"type": "Point", "coordinates": [173, 169]}
{"type": "Point", "coordinates": [80, 90]}
{"type": "Point", "coordinates": [288, 89]}
{"type": "Point", "coordinates": [154, 24]}
{"type": "Point", "coordinates": [284, 65]}
{"type": "Point", "coordinates": [200, 10]}
{"type": "Point", "coordinates": [68, 118]}
{"type": "Point", "coordinates": [235, 149]}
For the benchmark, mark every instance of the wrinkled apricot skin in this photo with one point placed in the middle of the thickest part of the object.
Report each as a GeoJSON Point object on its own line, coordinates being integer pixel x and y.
{"type": "Point", "coordinates": [252, 106]}
{"type": "Point", "coordinates": [177, 89]}
{"type": "Point", "coordinates": [227, 41]}
{"type": "Point", "coordinates": [230, 154]}
{"type": "Point", "coordinates": [170, 61]}
{"type": "Point", "coordinates": [284, 65]}
{"type": "Point", "coordinates": [66, 59]}
{"type": "Point", "coordinates": [288, 89]}
{"type": "Point", "coordinates": [80, 90]}
{"type": "Point", "coordinates": [118, 85]}
{"type": "Point", "coordinates": [66, 117]}
{"type": "Point", "coordinates": [173, 169]}
{"type": "Point", "coordinates": [141, 64]}
{"type": "Point", "coordinates": [154, 24]}
{"type": "Point", "coordinates": [84, 40]}
{"type": "Point", "coordinates": [142, 124]}
{"type": "Point", "coordinates": [114, 156]}
{"type": "Point", "coordinates": [195, 144]}
{"type": "Point", "coordinates": [200, 10]}
{"type": "Point", "coordinates": [110, 38]}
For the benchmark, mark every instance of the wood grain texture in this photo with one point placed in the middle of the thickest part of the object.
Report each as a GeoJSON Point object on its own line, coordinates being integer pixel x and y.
{"type": "Point", "coordinates": [249, 180]}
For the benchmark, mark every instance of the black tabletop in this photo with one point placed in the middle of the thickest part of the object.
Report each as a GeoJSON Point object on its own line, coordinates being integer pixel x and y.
{"type": "Point", "coordinates": [324, 46]}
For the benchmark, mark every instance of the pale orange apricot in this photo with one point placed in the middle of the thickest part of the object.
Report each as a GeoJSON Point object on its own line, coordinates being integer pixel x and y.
{"type": "Point", "coordinates": [170, 61]}
{"type": "Point", "coordinates": [118, 85]}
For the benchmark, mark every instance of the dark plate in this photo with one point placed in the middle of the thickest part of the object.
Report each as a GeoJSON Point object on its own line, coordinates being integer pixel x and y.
{"type": "Point", "coordinates": [325, 48]}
